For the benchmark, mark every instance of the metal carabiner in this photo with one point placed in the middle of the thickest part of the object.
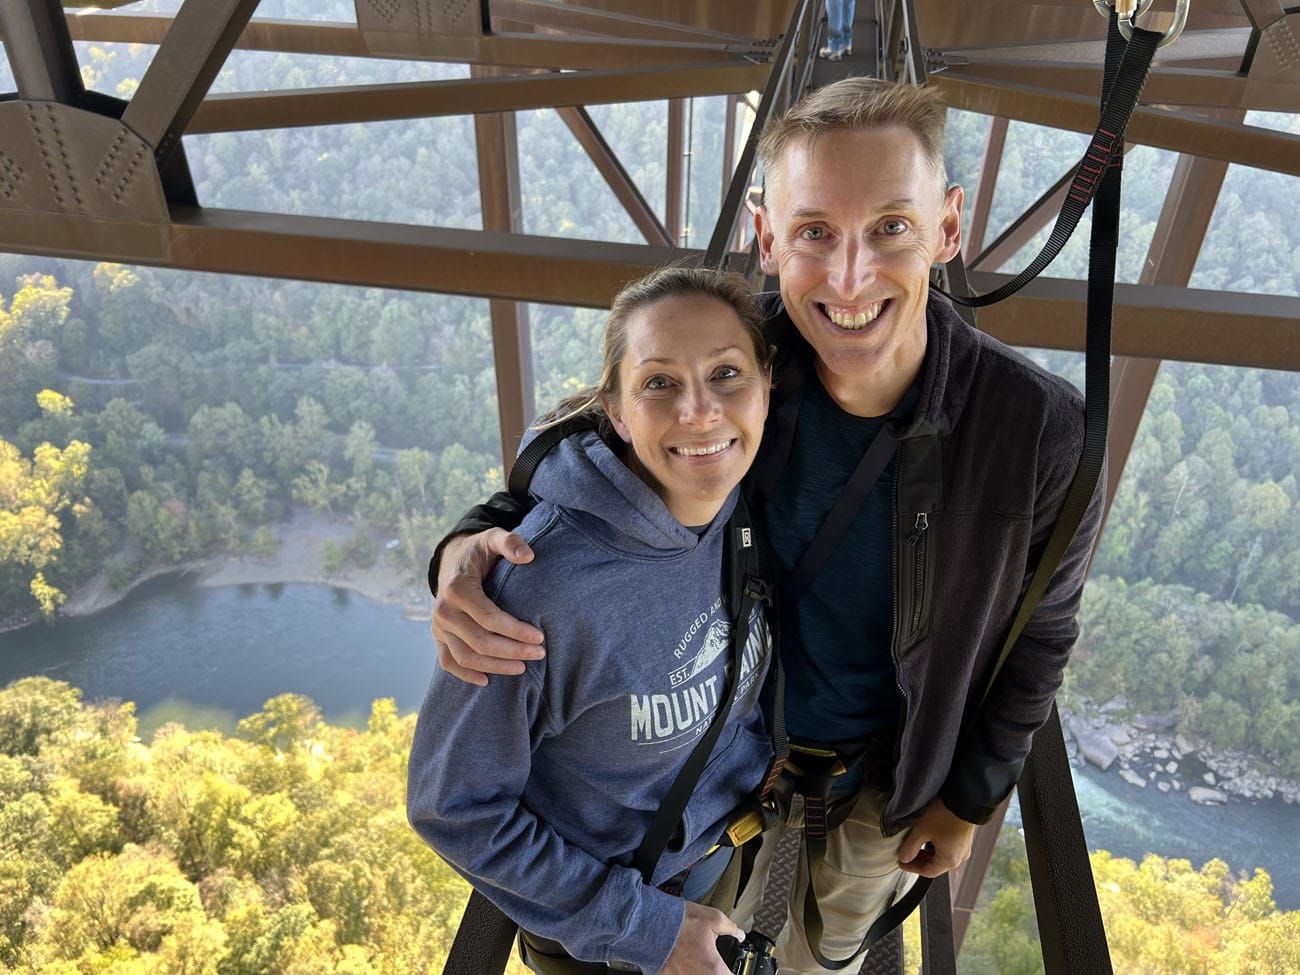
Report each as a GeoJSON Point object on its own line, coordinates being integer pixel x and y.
{"type": "Point", "coordinates": [1171, 35]}
{"type": "Point", "coordinates": [1127, 9]}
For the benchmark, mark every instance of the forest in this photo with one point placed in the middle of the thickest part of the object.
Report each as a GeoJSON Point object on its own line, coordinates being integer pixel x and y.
{"type": "Point", "coordinates": [284, 850]}
{"type": "Point", "coordinates": [149, 418]}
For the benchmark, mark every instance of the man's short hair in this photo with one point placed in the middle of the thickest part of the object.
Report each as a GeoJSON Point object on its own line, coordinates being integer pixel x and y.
{"type": "Point", "coordinates": [858, 103]}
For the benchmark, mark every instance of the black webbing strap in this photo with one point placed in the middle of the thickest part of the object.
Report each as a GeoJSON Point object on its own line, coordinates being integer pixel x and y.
{"type": "Point", "coordinates": [1101, 296]}
{"type": "Point", "coordinates": [1107, 143]}
{"type": "Point", "coordinates": [521, 474]}
{"type": "Point", "coordinates": [836, 524]}
{"type": "Point", "coordinates": [483, 941]}
{"type": "Point", "coordinates": [1070, 928]}
{"type": "Point", "coordinates": [744, 590]}
{"type": "Point", "coordinates": [894, 915]}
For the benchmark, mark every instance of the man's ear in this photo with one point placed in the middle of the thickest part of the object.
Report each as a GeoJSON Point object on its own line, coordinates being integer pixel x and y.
{"type": "Point", "coordinates": [610, 406]}
{"type": "Point", "coordinates": [765, 234]}
{"type": "Point", "coordinates": [950, 225]}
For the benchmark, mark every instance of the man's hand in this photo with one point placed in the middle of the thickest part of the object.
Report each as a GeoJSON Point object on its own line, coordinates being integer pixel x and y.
{"type": "Point", "coordinates": [949, 838]}
{"type": "Point", "coordinates": [696, 950]}
{"type": "Point", "coordinates": [474, 637]}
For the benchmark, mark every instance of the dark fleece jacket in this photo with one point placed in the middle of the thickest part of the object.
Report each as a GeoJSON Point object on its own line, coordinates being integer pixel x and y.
{"type": "Point", "coordinates": [989, 456]}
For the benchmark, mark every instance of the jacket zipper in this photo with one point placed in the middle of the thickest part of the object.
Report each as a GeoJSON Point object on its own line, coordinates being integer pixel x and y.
{"type": "Point", "coordinates": [918, 540]}
{"type": "Point", "coordinates": [893, 635]}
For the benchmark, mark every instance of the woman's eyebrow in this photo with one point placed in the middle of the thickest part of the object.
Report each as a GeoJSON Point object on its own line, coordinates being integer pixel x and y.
{"type": "Point", "coordinates": [712, 353]}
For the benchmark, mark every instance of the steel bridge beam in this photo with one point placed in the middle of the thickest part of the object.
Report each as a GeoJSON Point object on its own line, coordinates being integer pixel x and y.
{"type": "Point", "coordinates": [431, 99]}
{"type": "Point", "coordinates": [505, 49]}
{"type": "Point", "coordinates": [1184, 132]}
{"type": "Point", "coordinates": [616, 177]}
{"type": "Point", "coordinates": [1151, 321]}
{"type": "Point", "coordinates": [40, 51]}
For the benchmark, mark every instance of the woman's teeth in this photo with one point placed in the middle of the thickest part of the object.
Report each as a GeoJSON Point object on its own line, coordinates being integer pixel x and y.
{"type": "Point", "coordinates": [703, 451]}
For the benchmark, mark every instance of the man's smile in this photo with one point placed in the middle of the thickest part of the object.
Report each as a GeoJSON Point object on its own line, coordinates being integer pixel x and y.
{"type": "Point", "coordinates": [854, 317]}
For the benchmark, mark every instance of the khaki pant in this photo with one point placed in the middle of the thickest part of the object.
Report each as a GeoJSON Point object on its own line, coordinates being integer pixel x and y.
{"type": "Point", "coordinates": [858, 881]}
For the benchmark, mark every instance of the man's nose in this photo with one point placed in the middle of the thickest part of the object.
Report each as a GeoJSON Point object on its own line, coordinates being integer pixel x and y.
{"type": "Point", "coordinates": [853, 268]}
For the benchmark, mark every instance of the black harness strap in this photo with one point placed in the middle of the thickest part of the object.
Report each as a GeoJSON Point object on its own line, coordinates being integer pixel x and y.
{"type": "Point", "coordinates": [521, 474]}
{"type": "Point", "coordinates": [1107, 142]}
{"type": "Point", "coordinates": [739, 551]}
{"type": "Point", "coordinates": [832, 531]}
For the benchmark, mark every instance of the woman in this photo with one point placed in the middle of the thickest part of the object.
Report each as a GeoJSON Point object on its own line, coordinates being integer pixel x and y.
{"type": "Point", "coordinates": [540, 789]}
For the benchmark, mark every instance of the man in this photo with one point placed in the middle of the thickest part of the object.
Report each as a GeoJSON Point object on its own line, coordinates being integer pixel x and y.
{"type": "Point", "coordinates": [889, 643]}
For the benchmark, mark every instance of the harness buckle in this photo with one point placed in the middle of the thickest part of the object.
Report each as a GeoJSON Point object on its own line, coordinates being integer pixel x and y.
{"type": "Point", "coordinates": [760, 590]}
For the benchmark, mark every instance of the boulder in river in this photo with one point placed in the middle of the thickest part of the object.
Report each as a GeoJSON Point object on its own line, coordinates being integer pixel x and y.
{"type": "Point", "coordinates": [1209, 778]}
{"type": "Point", "coordinates": [1184, 745]}
{"type": "Point", "coordinates": [1206, 797]}
{"type": "Point", "coordinates": [1098, 749]}
{"type": "Point", "coordinates": [1162, 785]}
{"type": "Point", "coordinates": [1132, 778]}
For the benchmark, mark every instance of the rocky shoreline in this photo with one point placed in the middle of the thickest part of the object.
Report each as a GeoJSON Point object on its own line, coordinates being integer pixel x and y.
{"type": "Point", "coordinates": [1145, 751]}
{"type": "Point", "coordinates": [297, 559]}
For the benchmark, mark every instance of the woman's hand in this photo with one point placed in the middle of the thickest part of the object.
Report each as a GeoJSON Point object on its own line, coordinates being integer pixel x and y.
{"type": "Point", "coordinates": [696, 950]}
{"type": "Point", "coordinates": [474, 637]}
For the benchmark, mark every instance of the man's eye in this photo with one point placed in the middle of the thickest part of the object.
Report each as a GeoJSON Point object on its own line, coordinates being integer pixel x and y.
{"type": "Point", "coordinates": [814, 233]}
{"type": "Point", "coordinates": [893, 227]}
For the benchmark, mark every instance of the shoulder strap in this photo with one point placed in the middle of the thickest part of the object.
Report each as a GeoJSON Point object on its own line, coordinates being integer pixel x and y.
{"type": "Point", "coordinates": [744, 588]}
{"type": "Point", "coordinates": [521, 474]}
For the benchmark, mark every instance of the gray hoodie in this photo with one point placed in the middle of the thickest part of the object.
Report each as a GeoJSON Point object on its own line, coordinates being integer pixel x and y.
{"type": "Point", "coordinates": [539, 790]}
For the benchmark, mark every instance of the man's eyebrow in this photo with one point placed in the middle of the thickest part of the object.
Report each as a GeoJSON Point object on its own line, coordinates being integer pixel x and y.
{"type": "Point", "coordinates": [815, 213]}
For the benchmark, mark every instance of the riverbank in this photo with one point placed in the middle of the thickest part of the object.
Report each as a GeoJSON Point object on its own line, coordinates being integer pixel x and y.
{"type": "Point", "coordinates": [1144, 751]}
{"type": "Point", "coordinates": [298, 558]}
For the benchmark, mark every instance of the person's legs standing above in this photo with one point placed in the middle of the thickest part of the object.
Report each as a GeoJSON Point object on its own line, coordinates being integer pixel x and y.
{"type": "Point", "coordinates": [839, 29]}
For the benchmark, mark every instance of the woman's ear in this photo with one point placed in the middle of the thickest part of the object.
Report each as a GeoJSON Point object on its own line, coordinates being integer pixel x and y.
{"type": "Point", "coordinates": [611, 408]}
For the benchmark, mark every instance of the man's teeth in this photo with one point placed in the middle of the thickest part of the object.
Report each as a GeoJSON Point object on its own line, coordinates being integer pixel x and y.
{"type": "Point", "coordinates": [849, 319]}
{"type": "Point", "coordinates": [703, 451]}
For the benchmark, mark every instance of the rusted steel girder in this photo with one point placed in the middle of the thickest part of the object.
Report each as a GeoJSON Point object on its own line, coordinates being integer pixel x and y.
{"type": "Point", "coordinates": [429, 99]}
{"type": "Point", "coordinates": [1247, 145]}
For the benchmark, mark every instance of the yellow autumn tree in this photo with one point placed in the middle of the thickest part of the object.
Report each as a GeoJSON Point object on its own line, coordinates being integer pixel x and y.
{"type": "Point", "coordinates": [34, 494]}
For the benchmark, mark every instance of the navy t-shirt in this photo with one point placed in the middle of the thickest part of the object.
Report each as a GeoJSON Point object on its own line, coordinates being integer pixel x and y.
{"type": "Point", "coordinates": [840, 679]}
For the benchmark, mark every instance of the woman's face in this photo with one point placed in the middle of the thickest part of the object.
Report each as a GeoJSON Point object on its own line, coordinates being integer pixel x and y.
{"type": "Point", "coordinates": [692, 402]}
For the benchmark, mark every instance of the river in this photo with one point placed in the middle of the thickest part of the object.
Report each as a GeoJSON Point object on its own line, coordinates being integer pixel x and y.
{"type": "Point", "coordinates": [211, 655]}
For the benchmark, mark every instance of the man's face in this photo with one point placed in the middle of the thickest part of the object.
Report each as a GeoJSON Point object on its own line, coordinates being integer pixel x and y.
{"type": "Point", "coordinates": [851, 225]}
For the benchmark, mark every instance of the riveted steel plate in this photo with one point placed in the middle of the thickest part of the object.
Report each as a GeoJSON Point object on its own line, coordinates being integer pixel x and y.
{"type": "Point", "coordinates": [63, 160]}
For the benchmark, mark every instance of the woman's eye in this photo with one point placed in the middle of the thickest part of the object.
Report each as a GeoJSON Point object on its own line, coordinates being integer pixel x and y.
{"type": "Point", "coordinates": [727, 372]}
{"type": "Point", "coordinates": [656, 382]}
{"type": "Point", "coordinates": [893, 227]}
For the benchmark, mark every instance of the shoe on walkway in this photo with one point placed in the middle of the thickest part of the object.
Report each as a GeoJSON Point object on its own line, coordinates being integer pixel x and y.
{"type": "Point", "coordinates": [827, 53]}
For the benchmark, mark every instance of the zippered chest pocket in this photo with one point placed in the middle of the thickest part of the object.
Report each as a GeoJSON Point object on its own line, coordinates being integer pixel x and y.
{"type": "Point", "coordinates": [916, 578]}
